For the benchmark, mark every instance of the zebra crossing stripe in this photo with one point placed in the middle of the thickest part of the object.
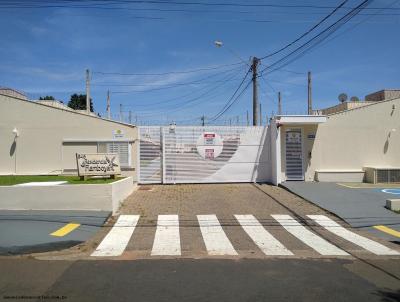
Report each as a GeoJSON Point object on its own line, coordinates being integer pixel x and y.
{"type": "Point", "coordinates": [115, 242]}
{"type": "Point", "coordinates": [368, 244]}
{"type": "Point", "coordinates": [167, 240]}
{"type": "Point", "coordinates": [262, 238]}
{"type": "Point", "coordinates": [215, 239]}
{"type": "Point", "coordinates": [312, 240]}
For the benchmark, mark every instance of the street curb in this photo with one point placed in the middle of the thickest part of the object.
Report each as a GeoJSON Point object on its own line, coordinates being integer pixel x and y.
{"type": "Point", "coordinates": [38, 248]}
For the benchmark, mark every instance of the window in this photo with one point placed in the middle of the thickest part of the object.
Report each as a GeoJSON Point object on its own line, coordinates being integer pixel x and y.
{"type": "Point", "coordinates": [123, 149]}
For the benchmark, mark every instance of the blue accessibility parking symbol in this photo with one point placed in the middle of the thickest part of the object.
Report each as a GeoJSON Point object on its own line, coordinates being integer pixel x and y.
{"type": "Point", "coordinates": [391, 191]}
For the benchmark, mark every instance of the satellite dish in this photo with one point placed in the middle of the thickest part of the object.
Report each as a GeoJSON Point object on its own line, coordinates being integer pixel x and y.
{"type": "Point", "coordinates": [342, 97]}
{"type": "Point", "coordinates": [354, 99]}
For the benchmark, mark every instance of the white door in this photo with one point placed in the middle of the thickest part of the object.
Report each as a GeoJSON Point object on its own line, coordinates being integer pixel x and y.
{"type": "Point", "coordinates": [294, 155]}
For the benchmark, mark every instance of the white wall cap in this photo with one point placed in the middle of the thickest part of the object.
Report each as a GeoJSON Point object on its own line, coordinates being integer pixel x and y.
{"type": "Point", "coordinates": [301, 119]}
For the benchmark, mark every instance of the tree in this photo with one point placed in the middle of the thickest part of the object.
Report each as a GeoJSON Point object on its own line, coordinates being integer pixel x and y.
{"type": "Point", "coordinates": [47, 97]}
{"type": "Point", "coordinates": [78, 102]}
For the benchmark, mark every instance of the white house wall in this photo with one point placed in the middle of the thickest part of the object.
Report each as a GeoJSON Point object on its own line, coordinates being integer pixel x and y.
{"type": "Point", "coordinates": [349, 141]}
{"type": "Point", "coordinates": [40, 149]}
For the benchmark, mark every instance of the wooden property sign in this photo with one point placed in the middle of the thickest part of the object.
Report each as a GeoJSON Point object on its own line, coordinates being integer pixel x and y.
{"type": "Point", "coordinates": [98, 164]}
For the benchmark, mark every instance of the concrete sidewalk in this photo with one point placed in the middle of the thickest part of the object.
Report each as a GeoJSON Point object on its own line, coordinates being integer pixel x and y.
{"type": "Point", "coordinates": [30, 231]}
{"type": "Point", "coordinates": [362, 208]}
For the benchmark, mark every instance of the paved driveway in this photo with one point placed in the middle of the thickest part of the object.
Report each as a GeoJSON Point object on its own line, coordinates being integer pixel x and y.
{"type": "Point", "coordinates": [361, 207]}
{"type": "Point", "coordinates": [229, 221]}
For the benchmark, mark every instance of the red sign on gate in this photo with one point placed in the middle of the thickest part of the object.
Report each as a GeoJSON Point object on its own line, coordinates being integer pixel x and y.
{"type": "Point", "coordinates": [209, 153]}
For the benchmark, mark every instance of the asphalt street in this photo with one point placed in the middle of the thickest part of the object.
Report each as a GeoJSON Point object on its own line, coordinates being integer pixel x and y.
{"type": "Point", "coordinates": [33, 231]}
{"type": "Point", "coordinates": [198, 280]}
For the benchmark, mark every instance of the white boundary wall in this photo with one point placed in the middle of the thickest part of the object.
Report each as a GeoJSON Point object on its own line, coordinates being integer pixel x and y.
{"type": "Point", "coordinates": [94, 197]}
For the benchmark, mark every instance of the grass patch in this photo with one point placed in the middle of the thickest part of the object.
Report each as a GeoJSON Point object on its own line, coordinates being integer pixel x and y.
{"type": "Point", "coordinates": [10, 180]}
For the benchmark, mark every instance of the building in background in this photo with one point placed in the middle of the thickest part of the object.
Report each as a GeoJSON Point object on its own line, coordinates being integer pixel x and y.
{"type": "Point", "coordinates": [379, 96]}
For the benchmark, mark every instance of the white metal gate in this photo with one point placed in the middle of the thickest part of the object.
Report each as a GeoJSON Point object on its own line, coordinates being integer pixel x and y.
{"type": "Point", "coordinates": [150, 151]}
{"type": "Point", "coordinates": [294, 155]}
{"type": "Point", "coordinates": [180, 154]}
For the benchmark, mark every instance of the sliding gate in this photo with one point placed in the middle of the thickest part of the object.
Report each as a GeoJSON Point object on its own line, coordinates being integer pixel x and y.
{"type": "Point", "coordinates": [180, 154]}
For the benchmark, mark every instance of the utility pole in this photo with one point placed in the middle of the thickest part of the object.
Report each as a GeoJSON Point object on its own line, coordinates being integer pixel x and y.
{"type": "Point", "coordinates": [254, 66]}
{"type": "Point", "coordinates": [260, 115]}
{"type": "Point", "coordinates": [237, 120]}
{"type": "Point", "coordinates": [130, 117]}
{"type": "Point", "coordinates": [279, 103]}
{"type": "Point", "coordinates": [87, 91]}
{"type": "Point", "coordinates": [203, 120]}
{"type": "Point", "coordinates": [309, 94]}
{"type": "Point", "coordinates": [136, 120]}
{"type": "Point", "coordinates": [108, 105]}
{"type": "Point", "coordinates": [120, 113]}
{"type": "Point", "coordinates": [247, 117]}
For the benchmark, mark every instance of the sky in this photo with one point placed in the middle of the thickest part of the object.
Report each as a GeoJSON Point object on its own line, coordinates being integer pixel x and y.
{"type": "Point", "coordinates": [161, 65]}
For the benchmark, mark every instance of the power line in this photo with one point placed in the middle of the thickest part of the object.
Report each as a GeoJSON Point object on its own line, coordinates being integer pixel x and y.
{"type": "Point", "coordinates": [233, 102]}
{"type": "Point", "coordinates": [168, 72]}
{"type": "Point", "coordinates": [233, 95]}
{"type": "Point", "coordinates": [115, 84]}
{"type": "Point", "coordinates": [165, 87]}
{"type": "Point", "coordinates": [328, 31]}
{"type": "Point", "coordinates": [307, 32]}
{"type": "Point", "coordinates": [358, 23]}
{"type": "Point", "coordinates": [99, 3]}
{"type": "Point", "coordinates": [194, 100]}
{"type": "Point", "coordinates": [228, 105]}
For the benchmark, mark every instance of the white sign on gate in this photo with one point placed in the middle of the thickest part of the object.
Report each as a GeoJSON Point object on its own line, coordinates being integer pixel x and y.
{"type": "Point", "coordinates": [209, 145]}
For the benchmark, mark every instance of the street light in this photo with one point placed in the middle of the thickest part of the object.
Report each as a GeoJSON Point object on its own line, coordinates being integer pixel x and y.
{"type": "Point", "coordinates": [252, 67]}
{"type": "Point", "coordinates": [219, 44]}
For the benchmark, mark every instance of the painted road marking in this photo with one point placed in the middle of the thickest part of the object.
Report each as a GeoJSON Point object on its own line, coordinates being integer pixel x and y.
{"type": "Point", "coordinates": [262, 238]}
{"type": "Point", "coordinates": [391, 191]}
{"type": "Point", "coordinates": [215, 239]}
{"type": "Point", "coordinates": [115, 242]}
{"type": "Point", "coordinates": [368, 244]}
{"type": "Point", "coordinates": [66, 229]}
{"type": "Point", "coordinates": [348, 186]}
{"type": "Point", "coordinates": [387, 230]}
{"type": "Point", "coordinates": [167, 241]}
{"type": "Point", "coordinates": [312, 240]}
